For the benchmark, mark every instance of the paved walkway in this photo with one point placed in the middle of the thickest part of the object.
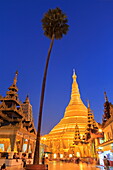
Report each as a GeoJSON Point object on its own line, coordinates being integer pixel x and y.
{"type": "Point", "coordinates": [15, 168]}
{"type": "Point", "coordinates": [65, 166]}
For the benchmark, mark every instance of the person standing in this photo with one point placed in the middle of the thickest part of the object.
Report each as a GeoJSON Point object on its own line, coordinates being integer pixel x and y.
{"type": "Point", "coordinates": [106, 163]}
{"type": "Point", "coordinates": [24, 160]}
{"type": "Point", "coordinates": [43, 160]}
{"type": "Point", "coordinates": [3, 167]}
{"type": "Point", "coordinates": [46, 162]}
{"type": "Point", "coordinates": [7, 155]}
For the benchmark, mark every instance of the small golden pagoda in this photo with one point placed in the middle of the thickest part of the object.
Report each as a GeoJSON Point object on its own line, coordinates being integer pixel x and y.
{"type": "Point", "coordinates": [68, 137]}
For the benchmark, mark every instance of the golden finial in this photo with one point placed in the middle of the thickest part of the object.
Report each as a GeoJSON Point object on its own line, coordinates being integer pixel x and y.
{"type": "Point", "coordinates": [88, 103]}
{"type": "Point", "coordinates": [74, 75]}
{"type": "Point", "coordinates": [15, 78]}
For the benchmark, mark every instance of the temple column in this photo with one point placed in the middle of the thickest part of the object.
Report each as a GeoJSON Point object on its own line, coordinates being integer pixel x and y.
{"type": "Point", "coordinates": [6, 145]}
{"type": "Point", "coordinates": [33, 149]}
{"type": "Point", "coordinates": [28, 146]}
{"type": "Point", "coordinates": [21, 147]}
{"type": "Point", "coordinates": [34, 144]}
{"type": "Point", "coordinates": [27, 151]}
{"type": "Point", "coordinates": [22, 142]}
{"type": "Point", "coordinates": [13, 142]}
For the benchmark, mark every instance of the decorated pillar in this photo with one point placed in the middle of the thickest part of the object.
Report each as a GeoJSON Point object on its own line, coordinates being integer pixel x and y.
{"type": "Point", "coordinates": [13, 142]}
{"type": "Point", "coordinates": [27, 151]}
{"type": "Point", "coordinates": [22, 142]}
{"type": "Point", "coordinates": [28, 146]}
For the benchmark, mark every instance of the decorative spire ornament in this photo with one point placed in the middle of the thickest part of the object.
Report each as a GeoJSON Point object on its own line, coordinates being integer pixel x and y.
{"type": "Point", "coordinates": [74, 75]}
{"type": "Point", "coordinates": [105, 97]}
{"type": "Point", "coordinates": [27, 99]}
{"type": "Point", "coordinates": [13, 88]}
{"type": "Point", "coordinates": [77, 135]}
{"type": "Point", "coordinates": [106, 115]}
{"type": "Point", "coordinates": [15, 78]}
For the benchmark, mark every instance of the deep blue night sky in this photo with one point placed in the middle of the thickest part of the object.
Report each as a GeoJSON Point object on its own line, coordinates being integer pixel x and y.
{"type": "Point", "coordinates": [88, 47]}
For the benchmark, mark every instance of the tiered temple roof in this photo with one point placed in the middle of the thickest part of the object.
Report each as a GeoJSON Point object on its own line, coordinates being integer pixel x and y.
{"type": "Point", "coordinates": [13, 111]}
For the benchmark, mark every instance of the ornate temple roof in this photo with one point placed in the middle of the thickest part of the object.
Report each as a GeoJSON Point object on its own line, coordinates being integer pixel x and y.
{"type": "Point", "coordinates": [13, 111]}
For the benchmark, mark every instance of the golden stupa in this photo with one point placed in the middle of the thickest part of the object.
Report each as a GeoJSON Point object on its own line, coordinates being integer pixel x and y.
{"type": "Point", "coordinates": [61, 138]}
{"type": "Point", "coordinates": [75, 113]}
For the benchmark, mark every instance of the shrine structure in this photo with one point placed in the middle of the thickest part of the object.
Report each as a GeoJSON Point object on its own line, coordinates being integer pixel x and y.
{"type": "Point", "coordinates": [17, 131]}
{"type": "Point", "coordinates": [69, 138]}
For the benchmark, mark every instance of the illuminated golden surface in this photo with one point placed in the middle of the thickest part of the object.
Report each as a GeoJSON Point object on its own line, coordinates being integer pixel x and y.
{"type": "Point", "coordinates": [61, 137]}
{"type": "Point", "coordinates": [75, 112]}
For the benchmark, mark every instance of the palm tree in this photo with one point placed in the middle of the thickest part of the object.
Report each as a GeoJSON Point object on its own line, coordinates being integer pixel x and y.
{"type": "Point", "coordinates": [55, 25]}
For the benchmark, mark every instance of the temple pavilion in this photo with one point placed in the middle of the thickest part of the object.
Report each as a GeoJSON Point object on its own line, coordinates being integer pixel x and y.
{"type": "Point", "coordinates": [69, 138]}
{"type": "Point", "coordinates": [17, 131]}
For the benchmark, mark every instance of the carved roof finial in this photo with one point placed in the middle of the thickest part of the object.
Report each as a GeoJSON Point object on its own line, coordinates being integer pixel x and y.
{"type": "Point", "coordinates": [27, 99]}
{"type": "Point", "coordinates": [15, 78]}
{"type": "Point", "coordinates": [13, 86]}
{"type": "Point", "coordinates": [105, 97]}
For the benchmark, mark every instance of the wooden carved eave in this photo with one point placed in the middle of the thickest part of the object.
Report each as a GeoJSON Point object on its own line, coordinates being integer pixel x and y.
{"type": "Point", "coordinates": [6, 118]}
{"type": "Point", "coordinates": [13, 87]}
{"type": "Point", "coordinates": [13, 111]}
{"type": "Point", "coordinates": [11, 99]}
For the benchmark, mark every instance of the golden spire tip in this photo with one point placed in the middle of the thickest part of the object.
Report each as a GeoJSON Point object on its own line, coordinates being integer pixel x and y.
{"type": "Point", "coordinates": [74, 75]}
{"type": "Point", "coordinates": [88, 103]}
{"type": "Point", "coordinates": [15, 78]}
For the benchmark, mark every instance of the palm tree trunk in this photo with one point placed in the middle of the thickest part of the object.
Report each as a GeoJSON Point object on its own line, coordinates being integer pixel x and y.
{"type": "Point", "coordinates": [36, 154]}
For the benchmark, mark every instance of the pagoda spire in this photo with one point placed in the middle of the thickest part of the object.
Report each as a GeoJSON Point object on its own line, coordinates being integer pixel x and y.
{"type": "Point", "coordinates": [74, 75]}
{"type": "Point", "coordinates": [90, 117]}
{"type": "Point", "coordinates": [105, 97]}
{"type": "Point", "coordinates": [15, 78]}
{"type": "Point", "coordinates": [88, 105]}
{"type": "Point", "coordinates": [27, 109]}
{"type": "Point", "coordinates": [27, 99]}
{"type": "Point", "coordinates": [13, 86]}
{"type": "Point", "coordinates": [91, 121]}
{"type": "Point", "coordinates": [106, 114]}
{"type": "Point", "coordinates": [77, 135]}
{"type": "Point", "coordinates": [75, 105]}
{"type": "Point", "coordinates": [75, 94]}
